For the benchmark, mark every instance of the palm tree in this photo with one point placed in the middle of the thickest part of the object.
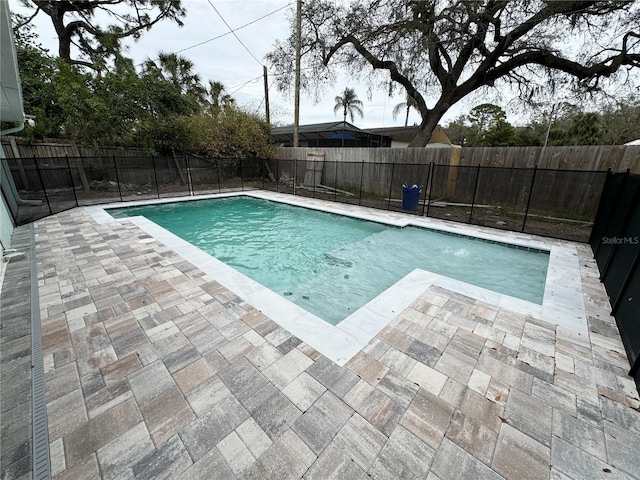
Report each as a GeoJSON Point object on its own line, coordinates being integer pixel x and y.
{"type": "Point", "coordinates": [217, 97]}
{"type": "Point", "coordinates": [409, 103]}
{"type": "Point", "coordinates": [348, 103]}
{"type": "Point", "coordinates": [178, 70]}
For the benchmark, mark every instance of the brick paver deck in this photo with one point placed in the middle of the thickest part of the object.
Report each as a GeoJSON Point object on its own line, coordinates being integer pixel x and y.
{"type": "Point", "coordinates": [154, 370]}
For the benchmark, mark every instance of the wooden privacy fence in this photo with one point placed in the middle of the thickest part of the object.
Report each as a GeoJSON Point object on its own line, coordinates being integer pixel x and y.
{"type": "Point", "coordinates": [62, 148]}
{"type": "Point", "coordinates": [131, 172]}
{"type": "Point", "coordinates": [570, 193]}
{"type": "Point", "coordinates": [616, 158]}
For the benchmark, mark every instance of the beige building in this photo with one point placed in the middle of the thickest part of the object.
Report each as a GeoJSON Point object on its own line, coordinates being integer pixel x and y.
{"type": "Point", "coordinates": [402, 136]}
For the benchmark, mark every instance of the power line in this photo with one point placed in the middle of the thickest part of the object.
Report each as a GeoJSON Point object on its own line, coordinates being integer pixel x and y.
{"type": "Point", "coordinates": [234, 30]}
{"type": "Point", "coordinates": [244, 84]}
{"type": "Point", "coordinates": [234, 34]}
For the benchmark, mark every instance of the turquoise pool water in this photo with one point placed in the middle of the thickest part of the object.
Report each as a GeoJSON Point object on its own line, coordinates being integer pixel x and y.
{"type": "Point", "coordinates": [331, 265]}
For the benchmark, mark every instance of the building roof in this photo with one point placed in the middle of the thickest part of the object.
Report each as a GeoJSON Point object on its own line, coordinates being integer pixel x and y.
{"type": "Point", "coordinates": [314, 132]}
{"type": "Point", "coordinates": [400, 134]}
{"type": "Point", "coordinates": [11, 109]}
{"type": "Point", "coordinates": [326, 127]}
{"type": "Point", "coordinates": [407, 134]}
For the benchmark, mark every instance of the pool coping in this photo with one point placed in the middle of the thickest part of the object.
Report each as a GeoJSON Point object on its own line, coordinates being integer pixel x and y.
{"type": "Point", "coordinates": [563, 301]}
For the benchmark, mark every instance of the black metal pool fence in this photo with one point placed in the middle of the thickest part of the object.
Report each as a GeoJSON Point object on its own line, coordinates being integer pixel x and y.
{"type": "Point", "coordinates": [615, 241]}
{"type": "Point", "coordinates": [554, 203]}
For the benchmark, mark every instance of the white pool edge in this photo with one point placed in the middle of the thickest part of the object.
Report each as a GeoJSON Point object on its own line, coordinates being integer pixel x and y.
{"type": "Point", "coordinates": [563, 302]}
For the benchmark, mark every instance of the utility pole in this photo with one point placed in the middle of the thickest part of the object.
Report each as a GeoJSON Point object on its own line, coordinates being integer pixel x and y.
{"type": "Point", "coordinates": [546, 138]}
{"type": "Point", "coordinates": [266, 94]}
{"type": "Point", "coordinates": [296, 107]}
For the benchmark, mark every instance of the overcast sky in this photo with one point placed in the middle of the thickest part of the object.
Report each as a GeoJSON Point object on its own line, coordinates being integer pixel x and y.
{"type": "Point", "coordinates": [227, 61]}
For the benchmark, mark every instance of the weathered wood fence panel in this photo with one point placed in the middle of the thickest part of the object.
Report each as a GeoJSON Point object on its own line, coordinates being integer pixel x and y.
{"type": "Point", "coordinates": [55, 171]}
{"type": "Point", "coordinates": [618, 158]}
{"type": "Point", "coordinates": [603, 157]}
{"type": "Point", "coordinates": [131, 172]}
{"type": "Point", "coordinates": [567, 179]}
{"type": "Point", "coordinates": [13, 149]}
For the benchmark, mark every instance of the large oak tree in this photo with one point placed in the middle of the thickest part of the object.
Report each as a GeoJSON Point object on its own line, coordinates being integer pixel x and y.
{"type": "Point", "coordinates": [442, 51]}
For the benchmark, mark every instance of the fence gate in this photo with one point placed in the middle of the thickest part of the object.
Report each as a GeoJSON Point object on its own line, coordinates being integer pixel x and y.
{"type": "Point", "coordinates": [615, 240]}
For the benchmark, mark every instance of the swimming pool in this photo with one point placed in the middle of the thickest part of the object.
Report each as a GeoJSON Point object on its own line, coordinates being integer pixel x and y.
{"type": "Point", "coordinates": [563, 302]}
{"type": "Point", "coordinates": [331, 265]}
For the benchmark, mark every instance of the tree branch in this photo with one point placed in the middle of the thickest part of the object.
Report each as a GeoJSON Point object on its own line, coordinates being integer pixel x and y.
{"type": "Point", "coordinates": [381, 65]}
{"type": "Point", "coordinates": [107, 39]}
{"type": "Point", "coordinates": [28, 20]}
{"type": "Point", "coordinates": [545, 58]}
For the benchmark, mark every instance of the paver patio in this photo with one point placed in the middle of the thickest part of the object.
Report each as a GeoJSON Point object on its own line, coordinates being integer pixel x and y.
{"type": "Point", "coordinates": [155, 370]}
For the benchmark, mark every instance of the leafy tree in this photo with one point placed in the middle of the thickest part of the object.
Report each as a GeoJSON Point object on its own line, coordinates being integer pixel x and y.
{"type": "Point", "coordinates": [621, 124]}
{"type": "Point", "coordinates": [501, 134]}
{"type": "Point", "coordinates": [179, 71]}
{"type": "Point", "coordinates": [217, 98]}
{"type": "Point", "coordinates": [459, 132]}
{"type": "Point", "coordinates": [407, 105]}
{"type": "Point", "coordinates": [453, 49]}
{"type": "Point", "coordinates": [349, 104]}
{"type": "Point", "coordinates": [232, 133]}
{"type": "Point", "coordinates": [568, 124]}
{"type": "Point", "coordinates": [155, 109]}
{"type": "Point", "coordinates": [121, 100]}
{"type": "Point", "coordinates": [489, 126]}
{"type": "Point", "coordinates": [485, 116]}
{"type": "Point", "coordinates": [485, 126]}
{"type": "Point", "coordinates": [528, 135]}
{"type": "Point", "coordinates": [37, 74]}
{"type": "Point", "coordinates": [585, 129]}
{"type": "Point", "coordinates": [76, 24]}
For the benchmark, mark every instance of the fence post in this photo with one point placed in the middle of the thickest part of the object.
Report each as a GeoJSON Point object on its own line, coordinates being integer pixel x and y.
{"type": "Point", "coordinates": [526, 212]}
{"type": "Point", "coordinates": [187, 164]}
{"type": "Point", "coordinates": [393, 165]}
{"type": "Point", "coordinates": [16, 156]}
{"type": "Point", "coordinates": [295, 174]}
{"type": "Point", "coordinates": [599, 211]}
{"type": "Point", "coordinates": [433, 174]}
{"type": "Point", "coordinates": [44, 189]}
{"type": "Point", "coordinates": [115, 168]}
{"type": "Point", "coordinates": [630, 274]}
{"type": "Point", "coordinates": [426, 187]}
{"type": "Point", "coordinates": [634, 370]}
{"type": "Point", "coordinates": [73, 187]}
{"type": "Point", "coordinates": [218, 174]}
{"type": "Point", "coordinates": [277, 172]}
{"type": "Point", "coordinates": [155, 175]}
{"type": "Point", "coordinates": [314, 174]}
{"type": "Point", "coordinates": [335, 180]}
{"type": "Point", "coordinates": [475, 189]}
{"type": "Point", "coordinates": [241, 175]}
{"type": "Point", "coordinates": [361, 180]}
